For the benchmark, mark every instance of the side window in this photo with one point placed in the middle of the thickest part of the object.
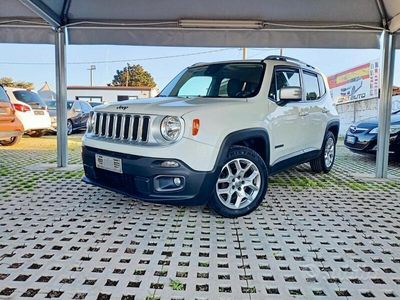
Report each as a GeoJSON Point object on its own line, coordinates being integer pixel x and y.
{"type": "Point", "coordinates": [77, 105]}
{"type": "Point", "coordinates": [322, 88]}
{"type": "Point", "coordinates": [283, 78]}
{"type": "Point", "coordinates": [3, 95]}
{"type": "Point", "coordinates": [196, 86]}
{"type": "Point", "coordinates": [86, 108]}
{"type": "Point", "coordinates": [311, 86]}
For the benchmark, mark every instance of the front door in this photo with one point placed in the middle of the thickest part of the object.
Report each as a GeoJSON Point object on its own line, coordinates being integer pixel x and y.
{"type": "Point", "coordinates": [285, 121]}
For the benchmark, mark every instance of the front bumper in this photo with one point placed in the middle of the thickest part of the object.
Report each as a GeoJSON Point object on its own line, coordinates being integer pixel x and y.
{"type": "Point", "coordinates": [365, 142]}
{"type": "Point", "coordinates": [138, 178]}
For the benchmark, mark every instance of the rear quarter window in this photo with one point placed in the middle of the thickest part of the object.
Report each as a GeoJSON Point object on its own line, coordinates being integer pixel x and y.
{"type": "Point", "coordinates": [311, 86]}
{"type": "Point", "coordinates": [3, 95]}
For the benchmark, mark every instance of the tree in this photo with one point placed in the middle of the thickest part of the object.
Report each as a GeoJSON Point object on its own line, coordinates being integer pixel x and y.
{"type": "Point", "coordinates": [133, 75]}
{"type": "Point", "coordinates": [9, 82]}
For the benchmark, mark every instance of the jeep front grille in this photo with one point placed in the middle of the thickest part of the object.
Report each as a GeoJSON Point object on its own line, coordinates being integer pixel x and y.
{"type": "Point", "coordinates": [121, 127]}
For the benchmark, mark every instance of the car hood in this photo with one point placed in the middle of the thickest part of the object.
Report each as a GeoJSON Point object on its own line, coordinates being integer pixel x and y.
{"type": "Point", "coordinates": [167, 105]}
{"type": "Point", "coordinates": [373, 122]}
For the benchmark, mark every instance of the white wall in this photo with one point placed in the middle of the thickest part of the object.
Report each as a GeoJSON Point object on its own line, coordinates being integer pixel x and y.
{"type": "Point", "coordinates": [352, 112]}
{"type": "Point", "coordinates": [108, 95]}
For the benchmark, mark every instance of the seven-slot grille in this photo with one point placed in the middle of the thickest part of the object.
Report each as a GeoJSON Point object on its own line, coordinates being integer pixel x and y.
{"type": "Point", "coordinates": [123, 127]}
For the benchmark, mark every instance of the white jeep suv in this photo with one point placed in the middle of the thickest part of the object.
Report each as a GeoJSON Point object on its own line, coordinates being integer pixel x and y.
{"type": "Point", "coordinates": [214, 134]}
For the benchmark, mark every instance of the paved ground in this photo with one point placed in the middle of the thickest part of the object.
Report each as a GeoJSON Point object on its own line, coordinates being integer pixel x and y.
{"type": "Point", "coordinates": [316, 236]}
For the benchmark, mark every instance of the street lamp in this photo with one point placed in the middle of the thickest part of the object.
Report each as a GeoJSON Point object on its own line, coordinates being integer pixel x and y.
{"type": "Point", "coordinates": [91, 69]}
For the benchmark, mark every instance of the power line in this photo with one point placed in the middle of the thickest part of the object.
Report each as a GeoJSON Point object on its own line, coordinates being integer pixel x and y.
{"type": "Point", "coordinates": [118, 61]}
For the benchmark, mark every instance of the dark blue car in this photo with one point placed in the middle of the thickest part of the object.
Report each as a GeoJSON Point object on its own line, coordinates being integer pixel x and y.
{"type": "Point", "coordinates": [362, 137]}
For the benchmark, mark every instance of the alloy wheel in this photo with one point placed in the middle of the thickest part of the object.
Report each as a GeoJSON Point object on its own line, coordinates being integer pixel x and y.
{"type": "Point", "coordinates": [329, 152]}
{"type": "Point", "coordinates": [238, 183]}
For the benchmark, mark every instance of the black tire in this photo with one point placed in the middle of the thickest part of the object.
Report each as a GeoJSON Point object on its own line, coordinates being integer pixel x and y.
{"type": "Point", "coordinates": [12, 141]}
{"type": "Point", "coordinates": [251, 158]}
{"type": "Point", "coordinates": [320, 164]}
{"type": "Point", "coordinates": [70, 127]}
{"type": "Point", "coordinates": [37, 133]}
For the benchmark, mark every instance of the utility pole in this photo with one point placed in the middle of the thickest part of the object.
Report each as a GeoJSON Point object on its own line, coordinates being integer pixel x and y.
{"type": "Point", "coordinates": [91, 69]}
{"type": "Point", "coordinates": [244, 52]}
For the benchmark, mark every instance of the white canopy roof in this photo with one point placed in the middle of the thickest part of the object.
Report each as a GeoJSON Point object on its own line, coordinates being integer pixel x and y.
{"type": "Point", "coordinates": [217, 23]}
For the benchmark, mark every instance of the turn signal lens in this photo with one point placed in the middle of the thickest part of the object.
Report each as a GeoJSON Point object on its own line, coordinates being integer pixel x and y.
{"type": "Point", "coordinates": [195, 127]}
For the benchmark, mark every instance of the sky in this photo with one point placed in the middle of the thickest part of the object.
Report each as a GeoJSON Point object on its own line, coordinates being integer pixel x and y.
{"type": "Point", "coordinates": [35, 63]}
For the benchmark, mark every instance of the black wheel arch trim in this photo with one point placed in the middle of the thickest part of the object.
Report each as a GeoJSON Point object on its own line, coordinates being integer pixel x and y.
{"type": "Point", "coordinates": [238, 136]}
{"type": "Point", "coordinates": [331, 124]}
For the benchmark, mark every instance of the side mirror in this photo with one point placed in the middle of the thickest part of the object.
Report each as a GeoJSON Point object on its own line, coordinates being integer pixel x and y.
{"type": "Point", "coordinates": [293, 93]}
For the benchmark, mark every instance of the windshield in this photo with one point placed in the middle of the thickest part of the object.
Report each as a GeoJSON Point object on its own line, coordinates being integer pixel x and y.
{"type": "Point", "coordinates": [222, 80]}
{"type": "Point", "coordinates": [30, 98]}
{"type": "Point", "coordinates": [53, 104]}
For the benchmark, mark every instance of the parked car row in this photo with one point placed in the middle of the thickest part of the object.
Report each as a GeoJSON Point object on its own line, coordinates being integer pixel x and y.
{"type": "Point", "coordinates": [77, 114]}
{"type": "Point", "coordinates": [23, 111]}
{"type": "Point", "coordinates": [362, 137]}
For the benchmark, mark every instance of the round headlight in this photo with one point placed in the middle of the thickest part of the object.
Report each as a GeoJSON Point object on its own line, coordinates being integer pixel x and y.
{"type": "Point", "coordinates": [171, 128]}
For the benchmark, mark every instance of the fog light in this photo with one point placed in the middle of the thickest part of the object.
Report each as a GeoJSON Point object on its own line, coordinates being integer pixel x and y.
{"type": "Point", "coordinates": [166, 183]}
{"type": "Point", "coordinates": [170, 164]}
{"type": "Point", "coordinates": [177, 181]}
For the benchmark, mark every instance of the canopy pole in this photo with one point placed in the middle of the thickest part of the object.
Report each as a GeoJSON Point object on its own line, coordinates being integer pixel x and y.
{"type": "Point", "coordinates": [388, 44]}
{"type": "Point", "coordinates": [61, 91]}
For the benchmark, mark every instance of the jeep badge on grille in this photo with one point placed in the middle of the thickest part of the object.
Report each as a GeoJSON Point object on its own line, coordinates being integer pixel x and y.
{"type": "Point", "coordinates": [122, 107]}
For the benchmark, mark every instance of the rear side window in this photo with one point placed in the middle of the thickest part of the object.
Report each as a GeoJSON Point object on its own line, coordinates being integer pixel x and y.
{"type": "Point", "coordinates": [322, 88]}
{"type": "Point", "coordinates": [311, 86]}
{"type": "Point", "coordinates": [3, 95]}
{"type": "Point", "coordinates": [283, 78]}
{"type": "Point", "coordinates": [86, 108]}
{"type": "Point", "coordinates": [77, 105]}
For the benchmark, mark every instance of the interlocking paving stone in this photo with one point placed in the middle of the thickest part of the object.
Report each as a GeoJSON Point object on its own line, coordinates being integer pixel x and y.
{"type": "Point", "coordinates": [316, 236]}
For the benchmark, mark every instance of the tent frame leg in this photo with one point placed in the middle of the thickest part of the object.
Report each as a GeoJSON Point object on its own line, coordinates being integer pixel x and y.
{"type": "Point", "coordinates": [61, 91]}
{"type": "Point", "coordinates": [385, 104]}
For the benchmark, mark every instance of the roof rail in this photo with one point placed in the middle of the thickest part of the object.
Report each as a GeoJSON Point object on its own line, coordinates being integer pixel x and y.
{"type": "Point", "coordinates": [288, 59]}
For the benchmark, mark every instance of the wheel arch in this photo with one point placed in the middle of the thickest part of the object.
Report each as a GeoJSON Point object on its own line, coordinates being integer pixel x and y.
{"type": "Point", "coordinates": [333, 126]}
{"type": "Point", "coordinates": [256, 139]}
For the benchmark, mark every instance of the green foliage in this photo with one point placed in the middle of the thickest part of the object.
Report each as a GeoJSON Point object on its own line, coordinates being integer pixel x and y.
{"type": "Point", "coordinates": [9, 82]}
{"type": "Point", "coordinates": [176, 285]}
{"type": "Point", "coordinates": [133, 75]}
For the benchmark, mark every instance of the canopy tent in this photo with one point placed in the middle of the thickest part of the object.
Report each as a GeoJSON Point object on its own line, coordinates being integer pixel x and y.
{"type": "Point", "coordinates": [221, 23]}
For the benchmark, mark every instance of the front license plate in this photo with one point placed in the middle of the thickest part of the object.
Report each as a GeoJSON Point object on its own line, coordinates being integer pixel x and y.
{"type": "Point", "coordinates": [109, 163]}
{"type": "Point", "coordinates": [351, 139]}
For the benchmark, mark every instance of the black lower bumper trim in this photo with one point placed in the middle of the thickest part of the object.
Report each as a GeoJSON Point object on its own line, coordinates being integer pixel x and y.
{"type": "Point", "coordinates": [137, 179]}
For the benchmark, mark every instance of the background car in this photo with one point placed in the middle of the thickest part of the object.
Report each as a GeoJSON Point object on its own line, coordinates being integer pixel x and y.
{"type": "Point", "coordinates": [31, 110]}
{"type": "Point", "coordinates": [77, 114]}
{"type": "Point", "coordinates": [11, 128]}
{"type": "Point", "coordinates": [362, 137]}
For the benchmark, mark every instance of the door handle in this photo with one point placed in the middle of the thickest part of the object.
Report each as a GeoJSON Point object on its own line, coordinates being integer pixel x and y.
{"type": "Point", "coordinates": [303, 113]}
{"type": "Point", "coordinates": [325, 110]}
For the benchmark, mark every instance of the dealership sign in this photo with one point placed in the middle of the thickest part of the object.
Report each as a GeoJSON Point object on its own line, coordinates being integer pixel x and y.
{"type": "Point", "coordinates": [358, 83]}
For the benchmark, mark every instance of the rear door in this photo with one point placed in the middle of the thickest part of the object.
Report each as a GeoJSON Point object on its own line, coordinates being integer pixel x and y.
{"type": "Point", "coordinates": [6, 109]}
{"type": "Point", "coordinates": [315, 117]}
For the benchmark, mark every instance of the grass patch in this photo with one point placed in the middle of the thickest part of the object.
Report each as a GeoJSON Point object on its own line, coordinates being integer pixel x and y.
{"type": "Point", "coordinates": [176, 285]}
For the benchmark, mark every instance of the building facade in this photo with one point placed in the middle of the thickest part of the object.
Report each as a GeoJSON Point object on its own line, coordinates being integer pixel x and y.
{"type": "Point", "coordinates": [106, 94]}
